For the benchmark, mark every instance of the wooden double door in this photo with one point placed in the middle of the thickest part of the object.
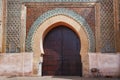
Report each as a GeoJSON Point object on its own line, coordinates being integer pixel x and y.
{"type": "Point", "coordinates": [62, 53]}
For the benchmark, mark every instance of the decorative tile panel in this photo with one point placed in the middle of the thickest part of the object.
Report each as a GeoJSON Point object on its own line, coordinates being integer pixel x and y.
{"type": "Point", "coordinates": [61, 11]}
{"type": "Point", "coordinates": [34, 10]}
{"type": "Point", "coordinates": [107, 26]}
{"type": "Point", "coordinates": [13, 27]}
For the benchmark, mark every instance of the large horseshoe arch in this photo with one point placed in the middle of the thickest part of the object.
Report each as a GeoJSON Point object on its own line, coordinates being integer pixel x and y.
{"type": "Point", "coordinates": [79, 26]}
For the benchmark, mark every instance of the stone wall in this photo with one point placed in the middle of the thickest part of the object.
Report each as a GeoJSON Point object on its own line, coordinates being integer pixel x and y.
{"type": "Point", "coordinates": [108, 64]}
{"type": "Point", "coordinates": [16, 64]}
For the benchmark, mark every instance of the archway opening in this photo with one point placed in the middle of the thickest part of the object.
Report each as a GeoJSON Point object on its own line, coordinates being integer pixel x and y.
{"type": "Point", "coordinates": [62, 52]}
{"type": "Point", "coordinates": [45, 27]}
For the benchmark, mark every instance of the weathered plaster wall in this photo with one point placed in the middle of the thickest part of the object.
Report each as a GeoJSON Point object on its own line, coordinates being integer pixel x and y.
{"type": "Point", "coordinates": [19, 64]}
{"type": "Point", "coordinates": [16, 64]}
{"type": "Point", "coordinates": [108, 64]}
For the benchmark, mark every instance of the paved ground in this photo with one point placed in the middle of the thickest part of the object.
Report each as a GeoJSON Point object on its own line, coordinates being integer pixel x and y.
{"type": "Point", "coordinates": [55, 78]}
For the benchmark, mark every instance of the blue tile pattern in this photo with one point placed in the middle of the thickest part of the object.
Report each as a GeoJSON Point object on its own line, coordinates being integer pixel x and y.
{"type": "Point", "coordinates": [13, 23]}
{"type": "Point", "coordinates": [66, 12]}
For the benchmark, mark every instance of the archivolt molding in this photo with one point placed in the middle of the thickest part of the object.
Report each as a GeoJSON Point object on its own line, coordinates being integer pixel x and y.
{"type": "Point", "coordinates": [61, 11]}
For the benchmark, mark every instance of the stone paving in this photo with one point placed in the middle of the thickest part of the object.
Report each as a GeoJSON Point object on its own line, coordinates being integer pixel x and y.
{"type": "Point", "coordinates": [55, 78]}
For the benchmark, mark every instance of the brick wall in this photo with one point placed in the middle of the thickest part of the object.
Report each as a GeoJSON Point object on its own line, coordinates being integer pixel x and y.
{"type": "Point", "coordinates": [33, 12]}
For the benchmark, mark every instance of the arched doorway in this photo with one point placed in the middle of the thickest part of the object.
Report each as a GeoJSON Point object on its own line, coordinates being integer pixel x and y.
{"type": "Point", "coordinates": [62, 53]}
{"type": "Point", "coordinates": [44, 24]}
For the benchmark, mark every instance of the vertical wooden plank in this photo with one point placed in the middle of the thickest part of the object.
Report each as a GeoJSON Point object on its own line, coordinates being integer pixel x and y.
{"type": "Point", "coordinates": [71, 57]}
{"type": "Point", "coordinates": [52, 57]}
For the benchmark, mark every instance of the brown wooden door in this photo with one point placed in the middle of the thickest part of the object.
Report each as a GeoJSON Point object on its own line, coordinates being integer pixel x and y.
{"type": "Point", "coordinates": [62, 48]}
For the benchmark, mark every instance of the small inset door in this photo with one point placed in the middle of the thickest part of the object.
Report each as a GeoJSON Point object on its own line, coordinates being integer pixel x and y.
{"type": "Point", "coordinates": [62, 53]}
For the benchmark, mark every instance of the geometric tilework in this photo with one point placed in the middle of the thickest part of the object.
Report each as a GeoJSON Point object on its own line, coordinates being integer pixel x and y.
{"type": "Point", "coordinates": [61, 11]}
{"type": "Point", "coordinates": [107, 22]}
{"type": "Point", "coordinates": [13, 26]}
{"type": "Point", "coordinates": [107, 26]}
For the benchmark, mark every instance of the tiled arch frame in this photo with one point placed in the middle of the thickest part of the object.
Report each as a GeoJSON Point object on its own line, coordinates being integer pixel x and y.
{"type": "Point", "coordinates": [56, 12]}
{"type": "Point", "coordinates": [48, 20]}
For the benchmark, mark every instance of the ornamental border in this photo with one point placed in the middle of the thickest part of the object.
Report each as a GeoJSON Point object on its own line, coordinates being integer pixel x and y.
{"type": "Point", "coordinates": [61, 11]}
{"type": "Point", "coordinates": [59, 0]}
